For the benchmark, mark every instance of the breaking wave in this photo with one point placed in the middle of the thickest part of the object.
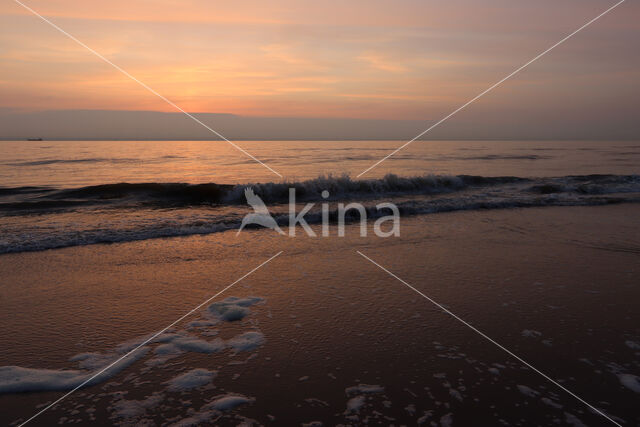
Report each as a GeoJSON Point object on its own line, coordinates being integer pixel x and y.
{"type": "Point", "coordinates": [182, 194]}
{"type": "Point", "coordinates": [39, 218]}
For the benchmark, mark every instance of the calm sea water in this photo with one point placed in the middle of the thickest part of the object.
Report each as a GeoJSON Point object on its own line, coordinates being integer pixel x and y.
{"type": "Point", "coordinates": [68, 164]}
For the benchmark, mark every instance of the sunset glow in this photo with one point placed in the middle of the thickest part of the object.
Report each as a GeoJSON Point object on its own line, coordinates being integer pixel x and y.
{"type": "Point", "coordinates": [412, 60]}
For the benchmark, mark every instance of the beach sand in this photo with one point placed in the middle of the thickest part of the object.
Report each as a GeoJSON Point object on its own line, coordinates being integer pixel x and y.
{"type": "Point", "coordinates": [557, 286]}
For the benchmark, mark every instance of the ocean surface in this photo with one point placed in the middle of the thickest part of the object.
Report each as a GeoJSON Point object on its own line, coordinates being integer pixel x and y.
{"type": "Point", "coordinates": [66, 193]}
{"type": "Point", "coordinates": [534, 243]}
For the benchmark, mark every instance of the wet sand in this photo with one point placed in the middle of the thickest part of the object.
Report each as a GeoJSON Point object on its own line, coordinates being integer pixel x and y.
{"type": "Point", "coordinates": [557, 286]}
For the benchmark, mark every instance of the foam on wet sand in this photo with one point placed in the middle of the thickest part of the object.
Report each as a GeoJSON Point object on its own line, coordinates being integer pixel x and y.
{"type": "Point", "coordinates": [192, 379]}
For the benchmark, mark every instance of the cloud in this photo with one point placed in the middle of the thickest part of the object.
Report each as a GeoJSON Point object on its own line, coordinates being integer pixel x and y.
{"type": "Point", "coordinates": [381, 63]}
{"type": "Point", "coordinates": [313, 59]}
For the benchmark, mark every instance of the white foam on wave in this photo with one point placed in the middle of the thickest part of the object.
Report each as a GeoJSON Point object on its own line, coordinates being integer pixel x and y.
{"type": "Point", "coordinates": [530, 333]}
{"type": "Point", "coordinates": [551, 403]}
{"type": "Point", "coordinates": [229, 401]}
{"type": "Point", "coordinates": [446, 420]}
{"type": "Point", "coordinates": [246, 341]}
{"type": "Point", "coordinates": [364, 389]}
{"type": "Point", "coordinates": [197, 324]}
{"type": "Point", "coordinates": [193, 344]}
{"type": "Point", "coordinates": [233, 308]}
{"type": "Point", "coordinates": [97, 361]}
{"type": "Point", "coordinates": [572, 420]}
{"type": "Point", "coordinates": [527, 391]}
{"type": "Point", "coordinates": [632, 382]}
{"type": "Point", "coordinates": [632, 345]}
{"type": "Point", "coordinates": [215, 408]}
{"type": "Point", "coordinates": [16, 379]}
{"type": "Point", "coordinates": [355, 404]}
{"type": "Point", "coordinates": [135, 409]}
{"type": "Point", "coordinates": [192, 379]}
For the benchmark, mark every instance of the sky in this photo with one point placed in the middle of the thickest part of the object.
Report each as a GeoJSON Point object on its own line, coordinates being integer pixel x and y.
{"type": "Point", "coordinates": [359, 61]}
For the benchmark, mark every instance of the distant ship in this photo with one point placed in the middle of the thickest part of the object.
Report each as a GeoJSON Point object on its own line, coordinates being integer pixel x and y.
{"type": "Point", "coordinates": [34, 139]}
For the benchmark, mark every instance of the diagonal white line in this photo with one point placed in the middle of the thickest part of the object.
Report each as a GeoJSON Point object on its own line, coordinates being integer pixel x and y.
{"type": "Point", "coordinates": [513, 73]}
{"type": "Point", "coordinates": [144, 343]}
{"type": "Point", "coordinates": [236, 146]}
{"type": "Point", "coordinates": [490, 339]}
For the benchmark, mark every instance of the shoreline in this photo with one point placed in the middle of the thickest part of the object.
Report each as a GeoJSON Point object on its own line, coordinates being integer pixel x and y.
{"type": "Point", "coordinates": [342, 322]}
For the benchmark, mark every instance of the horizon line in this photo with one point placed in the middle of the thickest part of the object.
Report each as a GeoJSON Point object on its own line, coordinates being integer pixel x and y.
{"type": "Point", "coordinates": [43, 139]}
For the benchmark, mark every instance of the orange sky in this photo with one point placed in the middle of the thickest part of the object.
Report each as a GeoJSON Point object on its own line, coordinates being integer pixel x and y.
{"type": "Point", "coordinates": [375, 59]}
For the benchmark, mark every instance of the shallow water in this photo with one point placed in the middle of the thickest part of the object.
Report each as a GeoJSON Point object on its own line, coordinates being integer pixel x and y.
{"type": "Point", "coordinates": [533, 280]}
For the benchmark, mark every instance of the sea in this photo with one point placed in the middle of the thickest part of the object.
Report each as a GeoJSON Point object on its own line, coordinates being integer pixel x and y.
{"type": "Point", "coordinates": [509, 296]}
{"type": "Point", "coordinates": [66, 193]}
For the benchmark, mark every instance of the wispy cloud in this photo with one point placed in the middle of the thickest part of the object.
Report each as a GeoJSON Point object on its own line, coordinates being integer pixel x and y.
{"type": "Point", "coordinates": [381, 63]}
{"type": "Point", "coordinates": [375, 59]}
